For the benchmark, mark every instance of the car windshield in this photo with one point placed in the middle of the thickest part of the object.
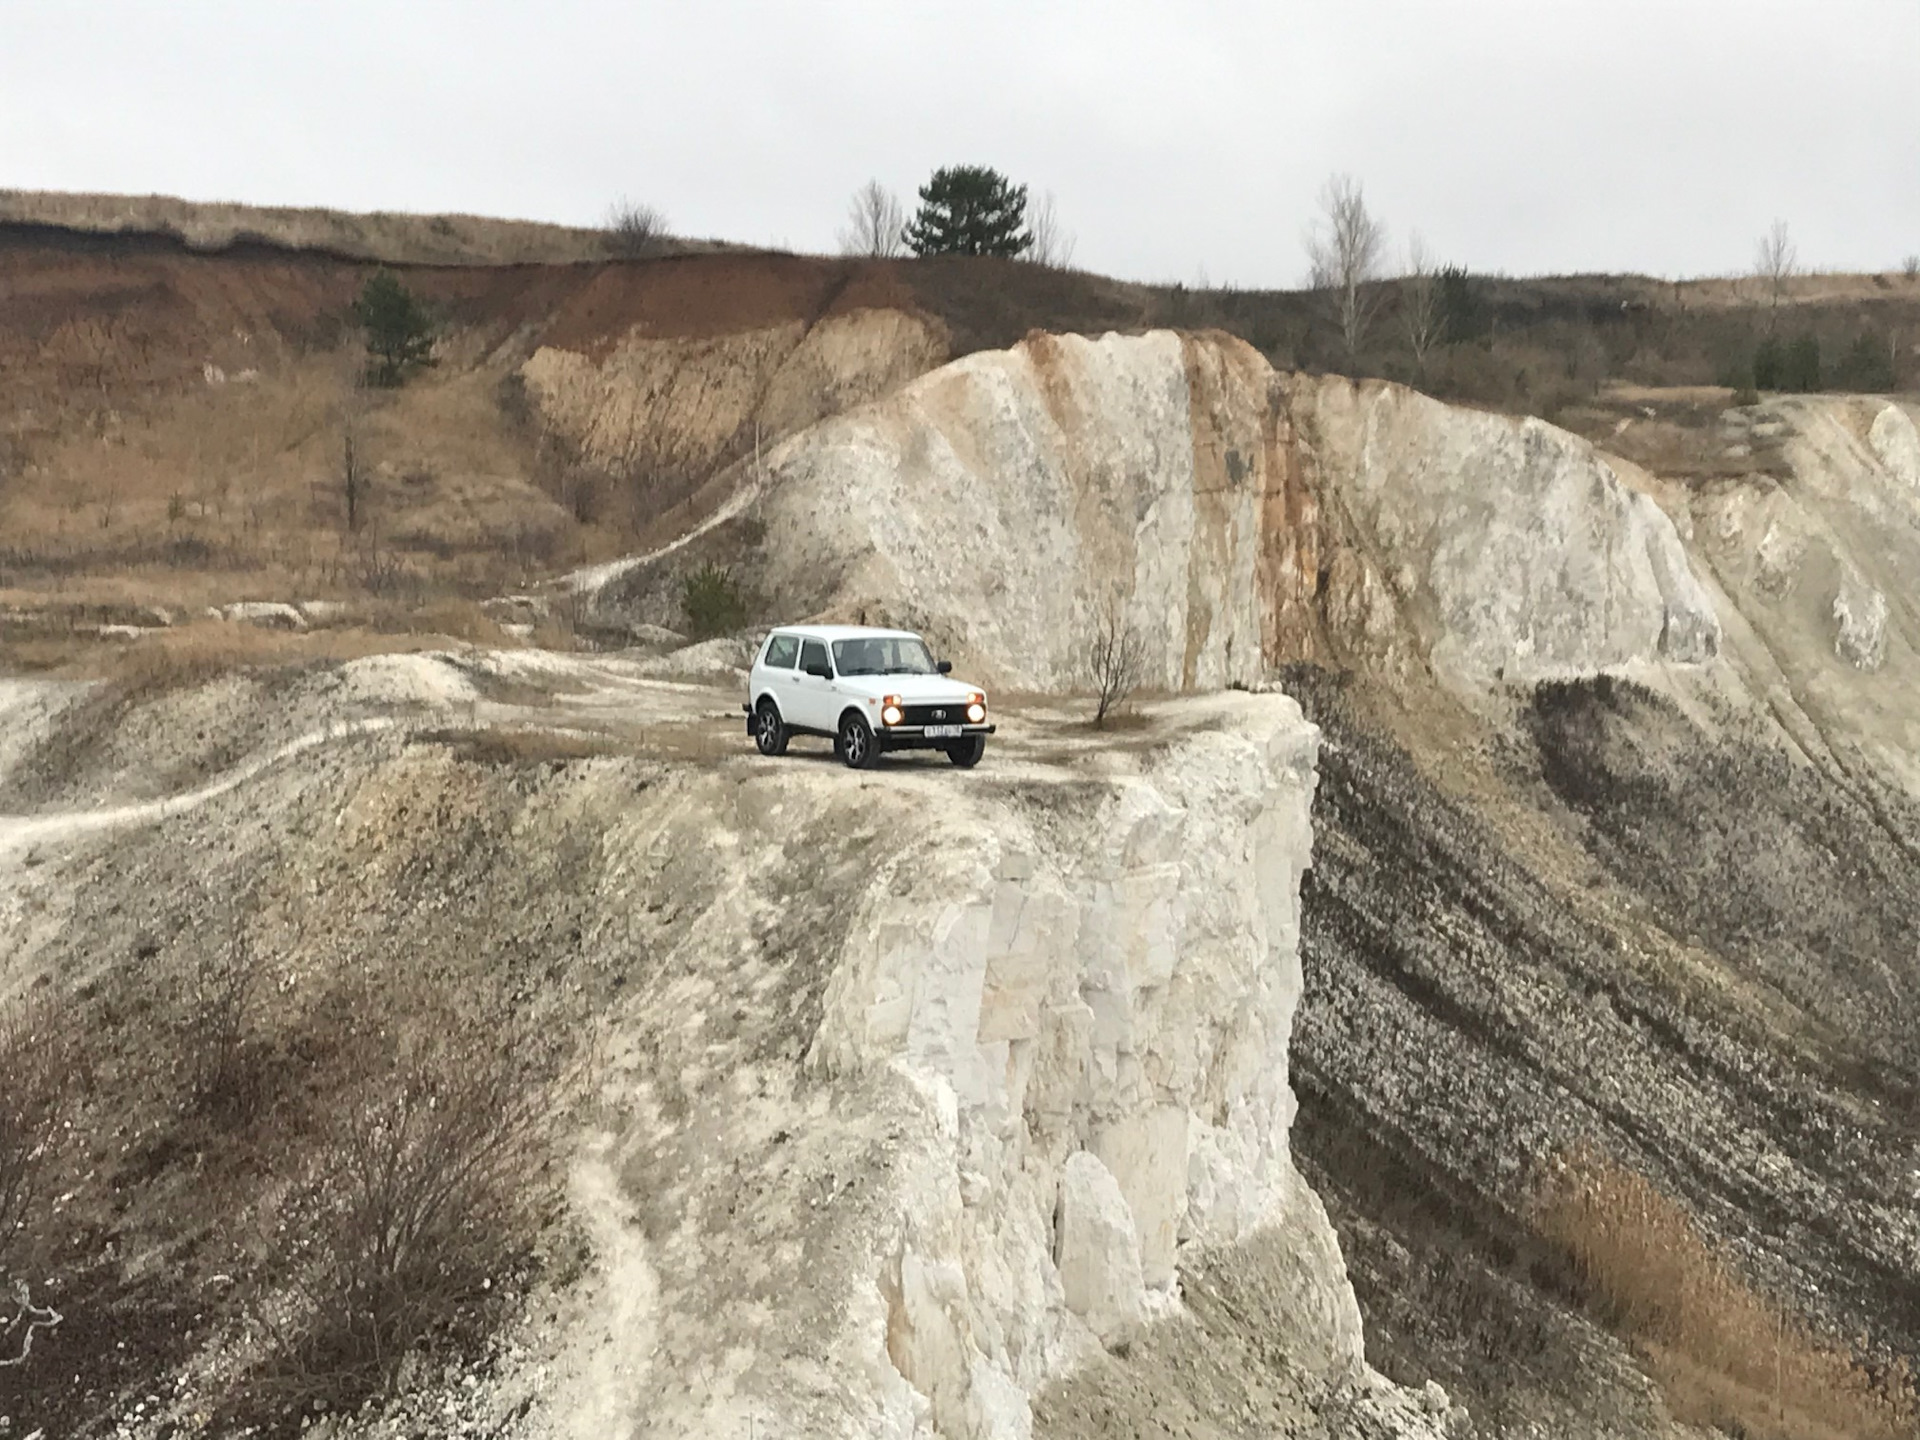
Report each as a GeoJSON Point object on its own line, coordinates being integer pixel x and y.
{"type": "Point", "coordinates": [883, 655]}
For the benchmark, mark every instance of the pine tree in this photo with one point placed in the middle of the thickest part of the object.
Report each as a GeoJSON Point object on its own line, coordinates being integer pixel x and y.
{"type": "Point", "coordinates": [970, 210]}
{"type": "Point", "coordinates": [399, 330]}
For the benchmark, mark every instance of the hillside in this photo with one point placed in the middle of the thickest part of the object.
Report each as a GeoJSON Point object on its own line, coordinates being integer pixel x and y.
{"type": "Point", "coordinates": [1471, 992]}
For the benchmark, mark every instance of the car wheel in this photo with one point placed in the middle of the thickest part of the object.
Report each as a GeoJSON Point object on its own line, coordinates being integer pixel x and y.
{"type": "Point", "coordinates": [854, 744]}
{"type": "Point", "coordinates": [769, 730]}
{"type": "Point", "coordinates": [966, 754]}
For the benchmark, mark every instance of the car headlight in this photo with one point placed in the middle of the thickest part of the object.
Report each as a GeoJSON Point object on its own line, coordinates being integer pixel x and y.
{"type": "Point", "coordinates": [891, 714]}
{"type": "Point", "coordinates": [976, 712]}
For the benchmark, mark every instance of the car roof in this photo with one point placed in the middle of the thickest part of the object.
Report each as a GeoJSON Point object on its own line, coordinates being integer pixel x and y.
{"type": "Point", "coordinates": [840, 632]}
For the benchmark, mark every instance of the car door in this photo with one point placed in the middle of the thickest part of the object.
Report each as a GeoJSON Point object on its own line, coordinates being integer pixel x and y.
{"type": "Point", "coordinates": [774, 674]}
{"type": "Point", "coordinates": [814, 705]}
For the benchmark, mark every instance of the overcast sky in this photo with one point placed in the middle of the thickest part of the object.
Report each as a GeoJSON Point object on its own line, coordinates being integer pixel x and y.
{"type": "Point", "coordinates": [1183, 141]}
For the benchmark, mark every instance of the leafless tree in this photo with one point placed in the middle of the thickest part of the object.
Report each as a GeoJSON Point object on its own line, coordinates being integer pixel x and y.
{"type": "Point", "coordinates": [1052, 242]}
{"type": "Point", "coordinates": [875, 221]}
{"type": "Point", "coordinates": [1420, 311]}
{"type": "Point", "coordinates": [1910, 267]}
{"type": "Point", "coordinates": [1114, 659]}
{"type": "Point", "coordinates": [1345, 247]}
{"type": "Point", "coordinates": [1775, 261]}
{"type": "Point", "coordinates": [634, 229]}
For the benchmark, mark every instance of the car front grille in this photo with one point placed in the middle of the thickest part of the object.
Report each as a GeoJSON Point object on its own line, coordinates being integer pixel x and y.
{"type": "Point", "coordinates": [951, 712]}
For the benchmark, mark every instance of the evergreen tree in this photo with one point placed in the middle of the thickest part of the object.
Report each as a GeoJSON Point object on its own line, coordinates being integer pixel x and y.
{"type": "Point", "coordinates": [1800, 367]}
{"type": "Point", "coordinates": [1462, 314]}
{"type": "Point", "coordinates": [970, 210]}
{"type": "Point", "coordinates": [399, 330]}
{"type": "Point", "coordinates": [1868, 366]}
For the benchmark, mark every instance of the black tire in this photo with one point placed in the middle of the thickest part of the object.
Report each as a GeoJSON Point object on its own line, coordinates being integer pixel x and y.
{"type": "Point", "coordinates": [769, 730]}
{"type": "Point", "coordinates": [966, 753]}
{"type": "Point", "coordinates": [854, 743]}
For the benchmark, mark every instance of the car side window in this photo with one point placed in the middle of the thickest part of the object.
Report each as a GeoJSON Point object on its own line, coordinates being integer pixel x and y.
{"type": "Point", "coordinates": [782, 650]}
{"type": "Point", "coordinates": [813, 654]}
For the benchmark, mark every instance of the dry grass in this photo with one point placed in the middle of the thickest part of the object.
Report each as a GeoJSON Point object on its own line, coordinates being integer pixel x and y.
{"type": "Point", "coordinates": [1724, 1355]}
{"type": "Point", "coordinates": [164, 659]}
{"type": "Point", "coordinates": [397, 238]}
{"type": "Point", "coordinates": [530, 745]}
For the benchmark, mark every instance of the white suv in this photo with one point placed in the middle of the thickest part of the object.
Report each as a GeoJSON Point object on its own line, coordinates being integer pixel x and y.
{"type": "Point", "coordinates": [870, 691]}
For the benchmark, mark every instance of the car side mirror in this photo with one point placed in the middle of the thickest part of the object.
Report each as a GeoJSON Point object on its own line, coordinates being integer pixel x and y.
{"type": "Point", "coordinates": [945, 667]}
{"type": "Point", "coordinates": [820, 672]}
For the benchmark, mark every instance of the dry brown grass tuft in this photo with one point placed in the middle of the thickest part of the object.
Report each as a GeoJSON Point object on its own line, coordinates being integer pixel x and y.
{"type": "Point", "coordinates": [1724, 1355]}
{"type": "Point", "coordinates": [530, 745]}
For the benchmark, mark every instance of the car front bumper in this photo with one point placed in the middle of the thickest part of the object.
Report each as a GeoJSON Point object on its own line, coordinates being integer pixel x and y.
{"type": "Point", "coordinates": [915, 737]}
{"type": "Point", "coordinates": [904, 737]}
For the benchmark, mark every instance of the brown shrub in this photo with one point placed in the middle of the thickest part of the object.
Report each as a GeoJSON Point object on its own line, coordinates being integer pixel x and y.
{"type": "Point", "coordinates": [226, 1069]}
{"type": "Point", "coordinates": [1724, 1355]}
{"type": "Point", "coordinates": [422, 1202]}
{"type": "Point", "coordinates": [42, 1064]}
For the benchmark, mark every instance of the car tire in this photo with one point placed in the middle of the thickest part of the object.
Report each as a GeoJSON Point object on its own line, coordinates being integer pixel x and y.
{"type": "Point", "coordinates": [854, 742]}
{"type": "Point", "coordinates": [769, 730]}
{"type": "Point", "coordinates": [966, 753]}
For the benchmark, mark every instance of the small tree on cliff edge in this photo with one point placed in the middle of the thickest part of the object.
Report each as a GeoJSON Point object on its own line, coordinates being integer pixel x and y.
{"type": "Point", "coordinates": [970, 210]}
{"type": "Point", "coordinates": [399, 330]}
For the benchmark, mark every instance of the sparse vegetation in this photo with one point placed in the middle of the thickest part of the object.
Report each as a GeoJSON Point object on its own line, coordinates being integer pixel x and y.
{"type": "Point", "coordinates": [42, 1063]}
{"type": "Point", "coordinates": [40, 1058]}
{"type": "Point", "coordinates": [422, 1199]}
{"type": "Point", "coordinates": [1422, 316]}
{"type": "Point", "coordinates": [399, 332]}
{"type": "Point", "coordinates": [634, 230]}
{"type": "Point", "coordinates": [1725, 1356]}
{"type": "Point", "coordinates": [713, 601]}
{"type": "Point", "coordinates": [1114, 660]}
{"type": "Point", "coordinates": [1053, 243]}
{"type": "Point", "coordinates": [226, 1072]}
{"type": "Point", "coordinates": [1345, 249]}
{"type": "Point", "coordinates": [876, 223]}
{"type": "Point", "coordinates": [970, 210]}
{"type": "Point", "coordinates": [1775, 260]}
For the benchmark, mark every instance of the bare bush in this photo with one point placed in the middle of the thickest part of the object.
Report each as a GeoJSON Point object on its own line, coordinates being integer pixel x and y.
{"type": "Point", "coordinates": [423, 1199]}
{"type": "Point", "coordinates": [1725, 1356]}
{"type": "Point", "coordinates": [1345, 248]}
{"type": "Point", "coordinates": [225, 1072]}
{"type": "Point", "coordinates": [42, 1070]}
{"type": "Point", "coordinates": [1910, 267]}
{"type": "Point", "coordinates": [1053, 243]}
{"type": "Point", "coordinates": [1421, 314]}
{"type": "Point", "coordinates": [1775, 261]}
{"type": "Point", "coordinates": [634, 229]}
{"type": "Point", "coordinates": [876, 222]}
{"type": "Point", "coordinates": [1115, 659]}
{"type": "Point", "coordinates": [42, 1063]}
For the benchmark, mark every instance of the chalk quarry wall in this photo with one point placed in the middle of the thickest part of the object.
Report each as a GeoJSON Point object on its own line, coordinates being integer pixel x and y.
{"type": "Point", "coordinates": [1239, 518]}
{"type": "Point", "coordinates": [1051, 1056]}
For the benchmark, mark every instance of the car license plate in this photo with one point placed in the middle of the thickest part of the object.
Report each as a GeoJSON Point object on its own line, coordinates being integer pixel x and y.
{"type": "Point", "coordinates": [942, 732]}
